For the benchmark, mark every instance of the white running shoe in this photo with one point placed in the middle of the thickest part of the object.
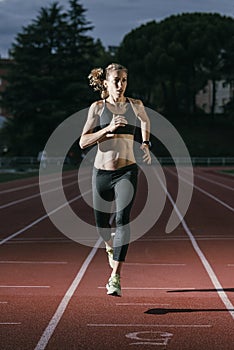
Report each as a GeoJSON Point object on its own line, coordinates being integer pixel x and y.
{"type": "Point", "coordinates": [113, 286]}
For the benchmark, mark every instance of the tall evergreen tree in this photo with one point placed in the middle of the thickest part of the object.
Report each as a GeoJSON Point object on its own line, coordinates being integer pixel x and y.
{"type": "Point", "coordinates": [79, 56]}
{"type": "Point", "coordinates": [52, 58]}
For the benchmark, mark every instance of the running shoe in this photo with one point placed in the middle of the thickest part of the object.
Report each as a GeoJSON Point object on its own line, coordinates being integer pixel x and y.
{"type": "Point", "coordinates": [109, 251]}
{"type": "Point", "coordinates": [113, 286]}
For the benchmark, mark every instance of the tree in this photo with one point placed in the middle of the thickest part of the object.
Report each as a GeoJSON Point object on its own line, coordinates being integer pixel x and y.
{"type": "Point", "coordinates": [48, 81]}
{"type": "Point", "coordinates": [172, 60]}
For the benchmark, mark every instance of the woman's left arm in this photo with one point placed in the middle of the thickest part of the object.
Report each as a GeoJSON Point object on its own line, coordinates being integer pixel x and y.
{"type": "Point", "coordinates": [145, 129]}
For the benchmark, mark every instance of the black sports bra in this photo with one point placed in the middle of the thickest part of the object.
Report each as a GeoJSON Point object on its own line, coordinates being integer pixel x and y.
{"type": "Point", "coordinates": [106, 117]}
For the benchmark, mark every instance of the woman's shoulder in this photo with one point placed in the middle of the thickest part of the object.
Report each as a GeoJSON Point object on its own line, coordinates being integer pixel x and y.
{"type": "Point", "coordinates": [97, 106]}
{"type": "Point", "coordinates": [137, 105]}
{"type": "Point", "coordinates": [135, 101]}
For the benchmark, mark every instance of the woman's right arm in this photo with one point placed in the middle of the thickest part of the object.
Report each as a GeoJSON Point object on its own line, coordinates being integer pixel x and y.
{"type": "Point", "coordinates": [88, 137]}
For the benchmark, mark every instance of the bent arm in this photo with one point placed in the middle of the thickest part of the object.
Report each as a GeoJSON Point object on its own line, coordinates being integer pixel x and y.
{"type": "Point", "coordinates": [88, 137]}
{"type": "Point", "coordinates": [141, 114]}
{"type": "Point", "coordinates": [145, 132]}
{"type": "Point", "coordinates": [145, 122]}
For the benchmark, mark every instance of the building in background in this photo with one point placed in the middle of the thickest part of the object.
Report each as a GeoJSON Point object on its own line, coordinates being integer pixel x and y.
{"type": "Point", "coordinates": [224, 93]}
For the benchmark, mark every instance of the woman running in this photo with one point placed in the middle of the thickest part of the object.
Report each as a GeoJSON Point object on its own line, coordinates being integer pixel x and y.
{"type": "Point", "coordinates": [111, 124]}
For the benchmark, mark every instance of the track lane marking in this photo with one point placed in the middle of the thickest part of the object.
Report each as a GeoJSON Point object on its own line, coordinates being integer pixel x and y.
{"type": "Point", "coordinates": [33, 185]}
{"type": "Point", "coordinates": [185, 239]}
{"type": "Point", "coordinates": [6, 205]}
{"type": "Point", "coordinates": [152, 288]}
{"type": "Point", "coordinates": [13, 241]}
{"type": "Point", "coordinates": [48, 332]}
{"type": "Point", "coordinates": [149, 325]}
{"type": "Point", "coordinates": [9, 323]}
{"type": "Point", "coordinates": [33, 262]}
{"type": "Point", "coordinates": [203, 191]}
{"type": "Point", "coordinates": [141, 304]}
{"type": "Point", "coordinates": [41, 218]}
{"type": "Point", "coordinates": [149, 264]}
{"type": "Point", "coordinates": [6, 286]}
{"type": "Point", "coordinates": [67, 241]}
{"type": "Point", "coordinates": [223, 296]}
{"type": "Point", "coordinates": [17, 201]}
{"type": "Point", "coordinates": [211, 181]}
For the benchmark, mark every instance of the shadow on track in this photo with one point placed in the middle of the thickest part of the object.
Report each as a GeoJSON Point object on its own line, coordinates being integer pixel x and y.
{"type": "Point", "coordinates": [200, 290]}
{"type": "Point", "coordinates": [162, 311]}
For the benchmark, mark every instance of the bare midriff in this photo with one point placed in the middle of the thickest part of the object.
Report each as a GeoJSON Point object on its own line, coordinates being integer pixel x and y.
{"type": "Point", "coordinates": [115, 152]}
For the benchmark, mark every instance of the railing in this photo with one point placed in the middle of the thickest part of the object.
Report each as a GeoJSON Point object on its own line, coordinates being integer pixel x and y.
{"type": "Point", "coordinates": [196, 161]}
{"type": "Point", "coordinates": [202, 161]}
{"type": "Point", "coordinates": [26, 163]}
{"type": "Point", "coordinates": [33, 163]}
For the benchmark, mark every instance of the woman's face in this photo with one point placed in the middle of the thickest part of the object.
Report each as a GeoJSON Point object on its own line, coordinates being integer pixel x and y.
{"type": "Point", "coordinates": [116, 83]}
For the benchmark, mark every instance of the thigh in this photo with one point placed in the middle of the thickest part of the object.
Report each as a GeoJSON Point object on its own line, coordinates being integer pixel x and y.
{"type": "Point", "coordinates": [125, 190]}
{"type": "Point", "coordinates": [103, 193]}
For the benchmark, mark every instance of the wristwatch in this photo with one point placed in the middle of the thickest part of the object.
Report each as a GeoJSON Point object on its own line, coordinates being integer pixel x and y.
{"type": "Point", "coordinates": [148, 143]}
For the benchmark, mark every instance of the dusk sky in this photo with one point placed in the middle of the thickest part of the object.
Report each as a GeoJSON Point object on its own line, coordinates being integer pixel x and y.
{"type": "Point", "coordinates": [112, 20]}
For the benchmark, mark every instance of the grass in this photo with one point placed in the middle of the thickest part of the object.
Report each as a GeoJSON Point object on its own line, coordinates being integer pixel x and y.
{"type": "Point", "coordinates": [228, 171]}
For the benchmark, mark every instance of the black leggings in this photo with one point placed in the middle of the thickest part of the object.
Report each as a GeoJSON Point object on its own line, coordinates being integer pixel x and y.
{"type": "Point", "coordinates": [119, 185]}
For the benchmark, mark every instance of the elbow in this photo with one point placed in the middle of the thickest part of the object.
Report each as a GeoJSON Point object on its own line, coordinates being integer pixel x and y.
{"type": "Point", "coordinates": [84, 142]}
{"type": "Point", "coordinates": [81, 143]}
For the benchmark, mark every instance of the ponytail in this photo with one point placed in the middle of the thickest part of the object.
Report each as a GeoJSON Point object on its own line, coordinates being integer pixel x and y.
{"type": "Point", "coordinates": [98, 75]}
{"type": "Point", "coordinates": [96, 80]}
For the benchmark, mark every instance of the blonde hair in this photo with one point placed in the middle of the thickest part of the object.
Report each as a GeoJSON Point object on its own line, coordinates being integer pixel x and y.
{"type": "Point", "coordinates": [98, 75]}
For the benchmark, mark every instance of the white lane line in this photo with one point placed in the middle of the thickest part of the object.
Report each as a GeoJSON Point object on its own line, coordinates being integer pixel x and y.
{"type": "Point", "coordinates": [161, 239]}
{"type": "Point", "coordinates": [184, 239]}
{"type": "Point", "coordinates": [203, 191]}
{"type": "Point", "coordinates": [9, 323]}
{"type": "Point", "coordinates": [3, 302]}
{"type": "Point", "coordinates": [6, 286]}
{"type": "Point", "coordinates": [211, 181]}
{"type": "Point", "coordinates": [41, 240]}
{"type": "Point", "coordinates": [47, 238]}
{"type": "Point", "coordinates": [13, 241]}
{"type": "Point", "coordinates": [6, 205]}
{"type": "Point", "coordinates": [230, 265]}
{"type": "Point", "coordinates": [223, 296]}
{"type": "Point", "coordinates": [149, 264]}
{"type": "Point", "coordinates": [41, 219]}
{"type": "Point", "coordinates": [33, 184]}
{"type": "Point", "coordinates": [47, 334]}
{"type": "Point", "coordinates": [33, 262]}
{"type": "Point", "coordinates": [149, 325]}
{"type": "Point", "coordinates": [152, 288]}
{"type": "Point", "coordinates": [141, 304]}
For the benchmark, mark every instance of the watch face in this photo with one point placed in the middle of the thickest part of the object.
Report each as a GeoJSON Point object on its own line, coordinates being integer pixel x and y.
{"type": "Point", "coordinates": [147, 143]}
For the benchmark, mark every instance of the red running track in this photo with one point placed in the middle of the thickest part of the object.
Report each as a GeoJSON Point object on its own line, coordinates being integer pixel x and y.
{"type": "Point", "coordinates": [178, 288]}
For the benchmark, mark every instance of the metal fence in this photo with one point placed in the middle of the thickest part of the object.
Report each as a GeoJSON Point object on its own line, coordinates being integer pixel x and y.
{"type": "Point", "coordinates": [25, 163]}
{"type": "Point", "coordinates": [198, 161]}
